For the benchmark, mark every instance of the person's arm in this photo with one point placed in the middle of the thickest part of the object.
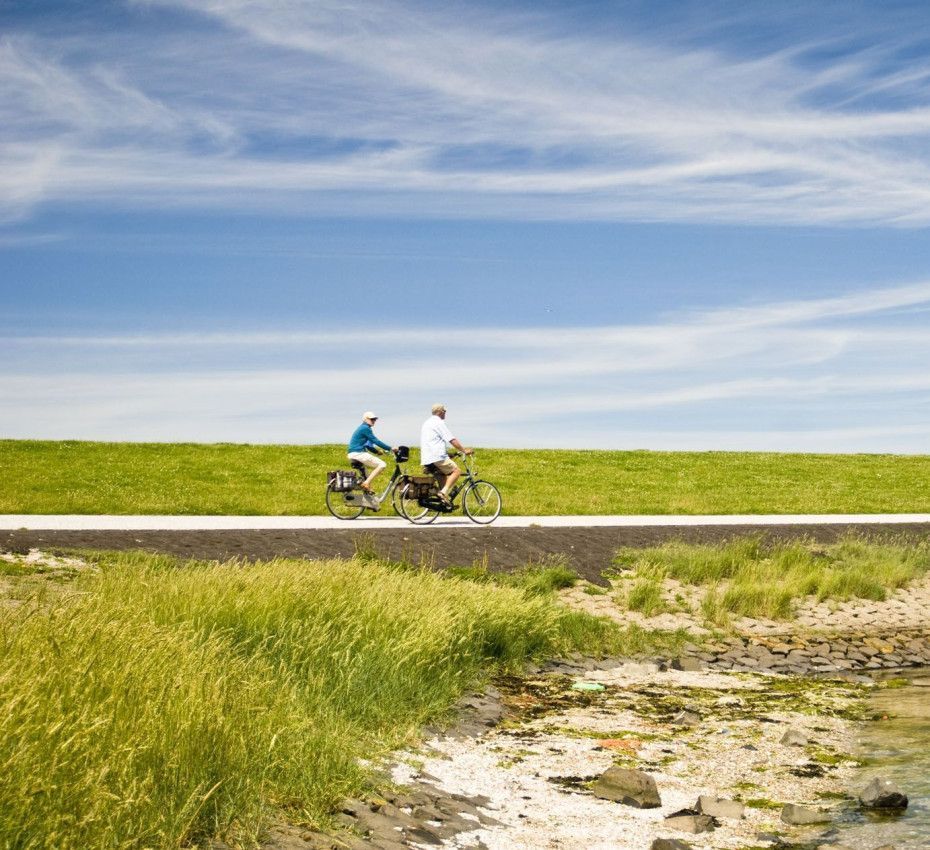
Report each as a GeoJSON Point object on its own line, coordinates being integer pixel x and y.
{"type": "Point", "coordinates": [456, 444]}
{"type": "Point", "coordinates": [371, 440]}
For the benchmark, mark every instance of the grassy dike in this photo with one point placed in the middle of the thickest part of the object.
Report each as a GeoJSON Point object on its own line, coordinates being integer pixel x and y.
{"type": "Point", "coordinates": [152, 703]}
{"type": "Point", "coordinates": [185, 478]}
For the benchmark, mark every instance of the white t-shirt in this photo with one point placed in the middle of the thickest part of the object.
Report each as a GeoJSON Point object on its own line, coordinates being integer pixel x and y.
{"type": "Point", "coordinates": [433, 439]}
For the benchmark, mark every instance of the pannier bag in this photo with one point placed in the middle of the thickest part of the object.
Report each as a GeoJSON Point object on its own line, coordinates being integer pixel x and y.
{"type": "Point", "coordinates": [419, 486]}
{"type": "Point", "coordinates": [341, 481]}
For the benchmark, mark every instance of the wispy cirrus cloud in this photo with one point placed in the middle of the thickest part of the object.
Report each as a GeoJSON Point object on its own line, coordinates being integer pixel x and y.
{"type": "Point", "coordinates": [843, 365]}
{"type": "Point", "coordinates": [375, 107]}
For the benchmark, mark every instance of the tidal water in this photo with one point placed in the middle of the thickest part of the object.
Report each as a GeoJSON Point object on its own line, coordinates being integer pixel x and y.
{"type": "Point", "coordinates": [897, 748]}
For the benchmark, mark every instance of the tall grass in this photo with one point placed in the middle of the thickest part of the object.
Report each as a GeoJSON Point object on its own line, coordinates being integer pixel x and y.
{"type": "Point", "coordinates": [165, 703]}
{"type": "Point", "coordinates": [187, 478]}
{"type": "Point", "coordinates": [744, 577]}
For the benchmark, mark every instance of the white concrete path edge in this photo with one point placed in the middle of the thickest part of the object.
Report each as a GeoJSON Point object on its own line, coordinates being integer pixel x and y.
{"type": "Point", "coordinates": [81, 522]}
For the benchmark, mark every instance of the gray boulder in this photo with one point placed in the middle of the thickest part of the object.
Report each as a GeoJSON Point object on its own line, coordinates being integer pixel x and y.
{"type": "Point", "coordinates": [719, 807]}
{"type": "Point", "coordinates": [798, 815]}
{"type": "Point", "coordinates": [794, 738]}
{"type": "Point", "coordinates": [686, 717]}
{"type": "Point", "coordinates": [669, 844]}
{"type": "Point", "coordinates": [687, 822]}
{"type": "Point", "coordinates": [630, 787]}
{"type": "Point", "coordinates": [883, 794]}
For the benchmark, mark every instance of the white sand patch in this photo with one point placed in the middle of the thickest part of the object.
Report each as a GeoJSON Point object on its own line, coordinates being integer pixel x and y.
{"type": "Point", "coordinates": [44, 560]}
{"type": "Point", "coordinates": [536, 771]}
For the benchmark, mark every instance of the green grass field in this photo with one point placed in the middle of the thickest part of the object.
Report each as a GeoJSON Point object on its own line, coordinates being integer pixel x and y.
{"type": "Point", "coordinates": [153, 703]}
{"type": "Point", "coordinates": [150, 478]}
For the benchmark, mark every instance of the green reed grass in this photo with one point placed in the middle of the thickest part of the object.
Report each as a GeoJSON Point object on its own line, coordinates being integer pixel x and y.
{"type": "Point", "coordinates": [159, 704]}
{"type": "Point", "coordinates": [745, 577]}
{"type": "Point", "coordinates": [645, 596]}
{"type": "Point", "coordinates": [187, 478]}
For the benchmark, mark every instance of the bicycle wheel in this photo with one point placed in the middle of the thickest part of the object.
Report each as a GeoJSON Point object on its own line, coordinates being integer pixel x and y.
{"type": "Point", "coordinates": [482, 502]}
{"type": "Point", "coordinates": [342, 507]}
{"type": "Point", "coordinates": [412, 509]}
{"type": "Point", "coordinates": [396, 501]}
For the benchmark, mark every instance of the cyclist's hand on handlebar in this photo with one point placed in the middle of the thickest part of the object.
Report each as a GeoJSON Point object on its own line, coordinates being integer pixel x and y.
{"type": "Point", "coordinates": [468, 451]}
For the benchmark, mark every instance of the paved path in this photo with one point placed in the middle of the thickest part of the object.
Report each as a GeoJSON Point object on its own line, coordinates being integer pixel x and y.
{"type": "Point", "coordinates": [81, 522]}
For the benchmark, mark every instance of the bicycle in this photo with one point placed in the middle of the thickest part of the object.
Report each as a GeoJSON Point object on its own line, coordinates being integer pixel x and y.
{"type": "Point", "coordinates": [353, 502]}
{"type": "Point", "coordinates": [421, 504]}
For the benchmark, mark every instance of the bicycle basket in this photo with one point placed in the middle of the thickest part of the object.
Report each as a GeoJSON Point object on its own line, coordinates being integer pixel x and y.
{"type": "Point", "coordinates": [342, 481]}
{"type": "Point", "coordinates": [419, 486]}
{"type": "Point", "coordinates": [402, 453]}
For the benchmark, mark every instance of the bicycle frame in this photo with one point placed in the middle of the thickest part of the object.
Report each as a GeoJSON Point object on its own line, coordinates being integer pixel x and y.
{"type": "Point", "coordinates": [467, 476]}
{"type": "Point", "coordinates": [389, 487]}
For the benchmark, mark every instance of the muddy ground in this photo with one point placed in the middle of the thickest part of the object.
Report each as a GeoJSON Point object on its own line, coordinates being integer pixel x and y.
{"type": "Point", "coordinates": [587, 550]}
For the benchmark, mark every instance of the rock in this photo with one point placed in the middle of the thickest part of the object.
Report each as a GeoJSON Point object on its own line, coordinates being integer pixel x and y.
{"type": "Point", "coordinates": [686, 718]}
{"type": "Point", "coordinates": [833, 847]}
{"type": "Point", "coordinates": [719, 807]}
{"type": "Point", "coordinates": [688, 664]}
{"type": "Point", "coordinates": [689, 821]}
{"type": "Point", "coordinates": [630, 787]}
{"type": "Point", "coordinates": [669, 844]}
{"type": "Point", "coordinates": [424, 835]}
{"type": "Point", "coordinates": [794, 738]}
{"type": "Point", "coordinates": [883, 794]}
{"type": "Point", "coordinates": [798, 815]}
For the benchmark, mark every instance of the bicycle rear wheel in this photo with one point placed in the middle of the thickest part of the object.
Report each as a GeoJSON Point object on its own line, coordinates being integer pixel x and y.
{"type": "Point", "coordinates": [344, 505]}
{"type": "Point", "coordinates": [481, 502]}
{"type": "Point", "coordinates": [412, 510]}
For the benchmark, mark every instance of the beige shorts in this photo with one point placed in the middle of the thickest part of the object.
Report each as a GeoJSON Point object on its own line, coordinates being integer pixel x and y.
{"type": "Point", "coordinates": [369, 460]}
{"type": "Point", "coordinates": [446, 467]}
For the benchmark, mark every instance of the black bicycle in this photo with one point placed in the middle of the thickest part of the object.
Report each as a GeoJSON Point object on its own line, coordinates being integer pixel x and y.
{"type": "Point", "coordinates": [420, 502]}
{"type": "Point", "coordinates": [345, 498]}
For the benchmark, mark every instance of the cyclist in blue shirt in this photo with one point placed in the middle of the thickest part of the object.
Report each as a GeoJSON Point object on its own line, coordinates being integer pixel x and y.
{"type": "Point", "coordinates": [363, 439]}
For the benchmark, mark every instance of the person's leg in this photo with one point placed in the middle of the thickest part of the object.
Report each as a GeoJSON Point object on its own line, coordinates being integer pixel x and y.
{"type": "Point", "coordinates": [374, 464]}
{"type": "Point", "coordinates": [451, 473]}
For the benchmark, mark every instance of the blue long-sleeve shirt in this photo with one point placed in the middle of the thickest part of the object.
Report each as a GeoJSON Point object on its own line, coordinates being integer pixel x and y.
{"type": "Point", "coordinates": [363, 438]}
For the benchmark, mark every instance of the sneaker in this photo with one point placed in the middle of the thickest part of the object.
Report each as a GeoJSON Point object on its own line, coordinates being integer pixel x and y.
{"type": "Point", "coordinates": [444, 498]}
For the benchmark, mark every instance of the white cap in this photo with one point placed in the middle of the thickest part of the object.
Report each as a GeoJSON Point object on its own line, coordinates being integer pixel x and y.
{"type": "Point", "coordinates": [369, 415]}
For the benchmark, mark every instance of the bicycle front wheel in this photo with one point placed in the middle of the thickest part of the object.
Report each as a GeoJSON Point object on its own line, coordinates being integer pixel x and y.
{"type": "Point", "coordinates": [397, 501]}
{"type": "Point", "coordinates": [482, 502]}
{"type": "Point", "coordinates": [344, 505]}
{"type": "Point", "coordinates": [412, 510]}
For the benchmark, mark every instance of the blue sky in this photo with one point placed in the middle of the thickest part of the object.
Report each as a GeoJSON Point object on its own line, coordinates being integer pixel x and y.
{"type": "Point", "coordinates": [596, 224]}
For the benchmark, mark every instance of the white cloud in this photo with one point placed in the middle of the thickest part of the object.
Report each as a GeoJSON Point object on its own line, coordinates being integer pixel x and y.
{"type": "Point", "coordinates": [828, 367]}
{"type": "Point", "coordinates": [435, 112]}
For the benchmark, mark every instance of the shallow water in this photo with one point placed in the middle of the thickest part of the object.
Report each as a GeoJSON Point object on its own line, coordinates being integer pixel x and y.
{"type": "Point", "coordinates": [897, 748]}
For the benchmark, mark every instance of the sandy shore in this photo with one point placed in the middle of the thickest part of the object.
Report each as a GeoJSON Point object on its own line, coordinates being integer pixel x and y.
{"type": "Point", "coordinates": [537, 767]}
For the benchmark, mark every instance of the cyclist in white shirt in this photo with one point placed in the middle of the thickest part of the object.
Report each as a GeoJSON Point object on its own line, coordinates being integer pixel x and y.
{"type": "Point", "coordinates": [434, 437]}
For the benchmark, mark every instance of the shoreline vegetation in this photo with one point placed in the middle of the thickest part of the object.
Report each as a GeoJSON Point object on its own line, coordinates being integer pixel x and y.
{"type": "Point", "coordinates": [51, 477]}
{"type": "Point", "coordinates": [745, 577]}
{"type": "Point", "coordinates": [149, 701]}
